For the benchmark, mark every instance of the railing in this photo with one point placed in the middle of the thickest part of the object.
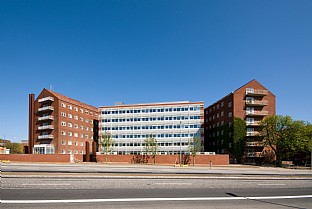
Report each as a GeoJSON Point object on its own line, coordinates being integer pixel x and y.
{"type": "Point", "coordinates": [254, 154]}
{"type": "Point", "coordinates": [45, 99]}
{"type": "Point", "coordinates": [257, 103]}
{"type": "Point", "coordinates": [257, 113]}
{"type": "Point", "coordinates": [45, 137]}
{"type": "Point", "coordinates": [258, 92]}
{"type": "Point", "coordinates": [254, 144]}
{"type": "Point", "coordinates": [45, 108]}
{"type": "Point", "coordinates": [45, 127]}
{"type": "Point", "coordinates": [255, 123]}
{"type": "Point", "coordinates": [255, 133]}
{"type": "Point", "coordinates": [49, 117]}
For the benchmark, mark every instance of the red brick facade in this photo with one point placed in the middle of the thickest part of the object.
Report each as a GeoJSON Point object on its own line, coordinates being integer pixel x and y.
{"type": "Point", "coordinates": [251, 102]}
{"type": "Point", "coordinates": [63, 122]}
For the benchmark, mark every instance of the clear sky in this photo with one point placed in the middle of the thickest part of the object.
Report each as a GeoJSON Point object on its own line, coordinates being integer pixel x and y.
{"type": "Point", "coordinates": [142, 51]}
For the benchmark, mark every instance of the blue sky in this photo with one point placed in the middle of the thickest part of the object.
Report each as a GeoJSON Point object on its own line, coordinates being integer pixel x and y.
{"type": "Point", "coordinates": [134, 51]}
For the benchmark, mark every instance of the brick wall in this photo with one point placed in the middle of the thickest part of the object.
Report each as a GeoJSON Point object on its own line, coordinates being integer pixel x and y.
{"type": "Point", "coordinates": [166, 159]}
{"type": "Point", "coordinates": [61, 158]}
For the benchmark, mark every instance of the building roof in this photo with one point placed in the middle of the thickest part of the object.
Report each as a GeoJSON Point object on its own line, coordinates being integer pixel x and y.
{"type": "Point", "coordinates": [151, 104]}
{"type": "Point", "coordinates": [72, 101]}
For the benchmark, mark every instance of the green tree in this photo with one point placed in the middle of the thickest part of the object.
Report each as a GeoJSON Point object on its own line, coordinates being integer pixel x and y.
{"type": "Point", "coordinates": [15, 148]}
{"type": "Point", "coordinates": [195, 145]}
{"type": "Point", "coordinates": [285, 136]}
{"type": "Point", "coordinates": [239, 139]}
{"type": "Point", "coordinates": [151, 147]}
{"type": "Point", "coordinates": [106, 143]}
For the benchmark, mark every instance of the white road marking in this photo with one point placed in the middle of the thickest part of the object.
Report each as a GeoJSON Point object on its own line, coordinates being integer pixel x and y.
{"type": "Point", "coordinates": [151, 199]}
{"type": "Point", "coordinates": [173, 183]}
{"type": "Point", "coordinates": [271, 184]}
{"type": "Point", "coordinates": [45, 184]}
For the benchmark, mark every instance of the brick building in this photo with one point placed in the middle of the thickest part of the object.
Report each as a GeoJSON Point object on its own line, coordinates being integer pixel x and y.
{"type": "Point", "coordinates": [59, 124]}
{"type": "Point", "coordinates": [251, 102]}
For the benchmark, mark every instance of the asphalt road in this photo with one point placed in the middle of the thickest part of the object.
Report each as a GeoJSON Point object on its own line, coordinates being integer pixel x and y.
{"type": "Point", "coordinates": [95, 190]}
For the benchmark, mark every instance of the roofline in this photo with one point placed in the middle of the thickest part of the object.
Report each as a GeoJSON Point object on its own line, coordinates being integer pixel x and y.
{"type": "Point", "coordinates": [152, 104]}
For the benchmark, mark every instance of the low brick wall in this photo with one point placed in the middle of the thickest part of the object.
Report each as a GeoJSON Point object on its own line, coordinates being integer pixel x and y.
{"type": "Point", "coordinates": [166, 159]}
{"type": "Point", "coordinates": [60, 158]}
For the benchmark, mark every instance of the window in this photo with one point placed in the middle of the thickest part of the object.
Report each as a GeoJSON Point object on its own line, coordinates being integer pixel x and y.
{"type": "Point", "coordinates": [63, 114]}
{"type": "Point", "coordinates": [63, 133]}
{"type": "Point", "coordinates": [81, 144]}
{"type": "Point", "coordinates": [81, 152]}
{"type": "Point", "coordinates": [63, 142]}
{"type": "Point", "coordinates": [87, 112]}
{"type": "Point", "coordinates": [218, 106]}
{"type": "Point", "coordinates": [87, 128]}
{"type": "Point", "coordinates": [63, 123]}
{"type": "Point", "coordinates": [76, 126]}
{"type": "Point", "coordinates": [87, 136]}
{"type": "Point", "coordinates": [222, 113]}
{"type": "Point", "coordinates": [81, 119]}
{"type": "Point", "coordinates": [76, 143]}
{"type": "Point", "coordinates": [69, 151]}
{"type": "Point", "coordinates": [222, 104]}
{"type": "Point", "coordinates": [69, 142]}
{"type": "Point", "coordinates": [76, 109]}
{"type": "Point", "coordinates": [218, 115]}
{"type": "Point", "coordinates": [81, 127]}
{"type": "Point", "coordinates": [76, 135]}
{"type": "Point", "coordinates": [70, 107]}
{"type": "Point", "coordinates": [63, 105]}
{"type": "Point", "coordinates": [76, 117]}
{"type": "Point", "coordinates": [70, 116]}
{"type": "Point", "coordinates": [70, 125]}
{"type": "Point", "coordinates": [87, 120]}
{"type": "Point", "coordinates": [76, 152]}
{"type": "Point", "coordinates": [63, 151]}
{"type": "Point", "coordinates": [81, 110]}
{"type": "Point", "coordinates": [230, 114]}
{"type": "Point", "coordinates": [70, 134]}
{"type": "Point", "coordinates": [81, 135]}
{"type": "Point", "coordinates": [230, 104]}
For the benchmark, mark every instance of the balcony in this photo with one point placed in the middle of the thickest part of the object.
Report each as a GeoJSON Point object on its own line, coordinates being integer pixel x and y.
{"type": "Point", "coordinates": [254, 123]}
{"type": "Point", "coordinates": [254, 144]}
{"type": "Point", "coordinates": [48, 127]}
{"type": "Point", "coordinates": [257, 113]}
{"type": "Point", "coordinates": [47, 108]}
{"type": "Point", "coordinates": [255, 133]}
{"type": "Point", "coordinates": [256, 92]}
{"type": "Point", "coordinates": [254, 154]}
{"type": "Point", "coordinates": [45, 137]}
{"type": "Point", "coordinates": [256, 103]}
{"type": "Point", "coordinates": [46, 99]}
{"type": "Point", "coordinates": [49, 117]}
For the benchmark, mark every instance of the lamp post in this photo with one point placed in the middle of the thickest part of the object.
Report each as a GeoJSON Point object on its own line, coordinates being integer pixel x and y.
{"type": "Point", "coordinates": [180, 145]}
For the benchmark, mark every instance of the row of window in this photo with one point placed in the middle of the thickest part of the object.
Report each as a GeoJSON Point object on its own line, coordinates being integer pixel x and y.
{"type": "Point", "coordinates": [179, 118]}
{"type": "Point", "coordinates": [144, 136]}
{"type": "Point", "coordinates": [70, 152]}
{"type": "Point", "coordinates": [70, 125]}
{"type": "Point", "coordinates": [159, 144]}
{"type": "Point", "coordinates": [76, 135]}
{"type": "Point", "coordinates": [216, 125]}
{"type": "Point", "coordinates": [152, 110]}
{"type": "Point", "coordinates": [71, 143]}
{"type": "Point", "coordinates": [230, 114]}
{"type": "Point", "coordinates": [217, 106]}
{"type": "Point", "coordinates": [122, 128]}
{"type": "Point", "coordinates": [76, 117]}
{"type": "Point", "coordinates": [76, 109]}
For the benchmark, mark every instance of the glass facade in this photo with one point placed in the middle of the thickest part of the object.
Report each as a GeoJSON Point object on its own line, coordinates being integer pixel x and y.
{"type": "Point", "coordinates": [171, 124]}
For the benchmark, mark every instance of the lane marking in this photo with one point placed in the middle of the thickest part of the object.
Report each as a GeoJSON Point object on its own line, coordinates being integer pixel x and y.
{"type": "Point", "coordinates": [151, 199]}
{"type": "Point", "coordinates": [271, 184]}
{"type": "Point", "coordinates": [173, 183]}
{"type": "Point", "coordinates": [45, 184]}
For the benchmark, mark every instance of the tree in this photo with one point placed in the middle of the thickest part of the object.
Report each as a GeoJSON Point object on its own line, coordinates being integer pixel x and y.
{"type": "Point", "coordinates": [239, 139]}
{"type": "Point", "coordinates": [106, 143]}
{"type": "Point", "coordinates": [15, 148]}
{"type": "Point", "coordinates": [195, 145]}
{"type": "Point", "coordinates": [285, 136]}
{"type": "Point", "coordinates": [151, 147]}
